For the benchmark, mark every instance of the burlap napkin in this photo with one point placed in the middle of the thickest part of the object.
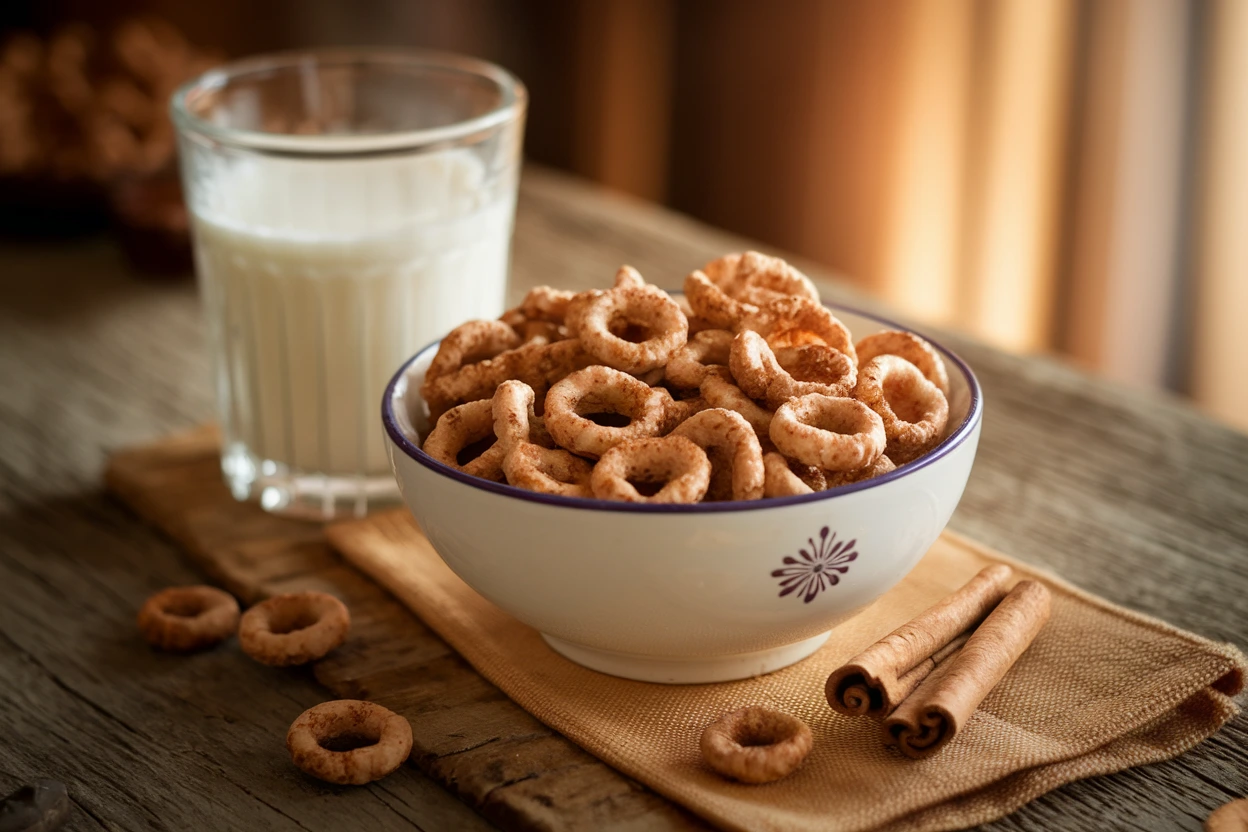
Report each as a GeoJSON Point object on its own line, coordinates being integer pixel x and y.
{"type": "Point", "coordinates": [1101, 689]}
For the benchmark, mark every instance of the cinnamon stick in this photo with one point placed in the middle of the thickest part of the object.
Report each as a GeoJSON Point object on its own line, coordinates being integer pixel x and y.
{"type": "Point", "coordinates": [876, 681]}
{"type": "Point", "coordinates": [938, 708]}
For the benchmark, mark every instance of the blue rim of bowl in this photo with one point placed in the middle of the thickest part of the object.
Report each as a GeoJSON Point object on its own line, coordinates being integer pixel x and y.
{"type": "Point", "coordinates": [973, 415]}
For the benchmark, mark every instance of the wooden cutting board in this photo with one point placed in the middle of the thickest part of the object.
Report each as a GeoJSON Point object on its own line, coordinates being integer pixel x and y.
{"type": "Point", "coordinates": [467, 734]}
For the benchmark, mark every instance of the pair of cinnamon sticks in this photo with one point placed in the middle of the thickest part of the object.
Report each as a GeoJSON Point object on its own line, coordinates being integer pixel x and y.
{"type": "Point", "coordinates": [926, 678]}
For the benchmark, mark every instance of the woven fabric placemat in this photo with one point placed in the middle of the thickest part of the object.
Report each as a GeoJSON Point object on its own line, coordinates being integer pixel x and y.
{"type": "Point", "coordinates": [1100, 690]}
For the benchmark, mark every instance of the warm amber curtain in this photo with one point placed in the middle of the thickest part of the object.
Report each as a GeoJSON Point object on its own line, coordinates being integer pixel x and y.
{"type": "Point", "coordinates": [1066, 176]}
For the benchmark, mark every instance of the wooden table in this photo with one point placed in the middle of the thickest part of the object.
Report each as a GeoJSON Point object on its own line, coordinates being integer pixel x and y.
{"type": "Point", "coordinates": [1131, 495]}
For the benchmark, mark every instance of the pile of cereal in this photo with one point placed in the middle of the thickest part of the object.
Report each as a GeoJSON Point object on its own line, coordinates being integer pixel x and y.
{"type": "Point", "coordinates": [754, 389]}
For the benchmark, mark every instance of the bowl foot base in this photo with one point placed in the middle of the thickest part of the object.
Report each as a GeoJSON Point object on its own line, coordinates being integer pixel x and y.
{"type": "Point", "coordinates": [689, 671]}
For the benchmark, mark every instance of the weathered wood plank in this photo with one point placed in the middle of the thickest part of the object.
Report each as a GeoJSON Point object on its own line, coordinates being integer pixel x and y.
{"type": "Point", "coordinates": [1130, 495]}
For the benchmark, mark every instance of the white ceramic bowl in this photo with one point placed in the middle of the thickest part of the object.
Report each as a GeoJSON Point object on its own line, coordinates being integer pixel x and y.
{"type": "Point", "coordinates": [684, 593]}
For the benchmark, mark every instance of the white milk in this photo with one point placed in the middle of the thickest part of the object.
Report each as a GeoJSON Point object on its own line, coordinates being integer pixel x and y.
{"type": "Point", "coordinates": [320, 279]}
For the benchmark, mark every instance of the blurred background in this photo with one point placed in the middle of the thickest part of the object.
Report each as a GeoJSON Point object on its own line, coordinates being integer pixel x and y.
{"type": "Point", "coordinates": [1054, 176]}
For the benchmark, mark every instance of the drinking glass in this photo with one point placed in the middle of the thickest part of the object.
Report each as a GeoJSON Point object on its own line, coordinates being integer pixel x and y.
{"type": "Point", "coordinates": [348, 207]}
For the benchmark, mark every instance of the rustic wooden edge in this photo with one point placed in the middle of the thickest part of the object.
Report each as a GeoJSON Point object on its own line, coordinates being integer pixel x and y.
{"type": "Point", "coordinates": [467, 735]}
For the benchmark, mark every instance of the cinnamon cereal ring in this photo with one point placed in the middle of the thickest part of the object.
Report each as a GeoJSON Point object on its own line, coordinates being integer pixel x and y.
{"type": "Point", "coordinates": [602, 390]}
{"type": "Point", "coordinates": [629, 278]}
{"type": "Point", "coordinates": [758, 279]}
{"type": "Point", "coordinates": [186, 618]}
{"type": "Point", "coordinates": [710, 303]}
{"type": "Point", "coordinates": [881, 466]}
{"type": "Point", "coordinates": [813, 368]}
{"type": "Point", "coordinates": [909, 346]}
{"type": "Point", "coordinates": [544, 303]}
{"type": "Point", "coordinates": [604, 321]}
{"type": "Point", "coordinates": [779, 480]}
{"type": "Point", "coordinates": [349, 741]}
{"type": "Point", "coordinates": [913, 410]}
{"type": "Point", "coordinates": [674, 462]}
{"type": "Point", "coordinates": [537, 363]}
{"type": "Point", "coordinates": [756, 744]}
{"type": "Point", "coordinates": [469, 343]}
{"type": "Point", "coordinates": [832, 433]}
{"type": "Point", "coordinates": [794, 321]}
{"type": "Point", "coordinates": [534, 468]}
{"type": "Point", "coordinates": [733, 450]}
{"type": "Point", "coordinates": [721, 392]}
{"type": "Point", "coordinates": [458, 431]}
{"type": "Point", "coordinates": [295, 628]}
{"type": "Point", "coordinates": [688, 365]}
{"type": "Point", "coordinates": [512, 411]}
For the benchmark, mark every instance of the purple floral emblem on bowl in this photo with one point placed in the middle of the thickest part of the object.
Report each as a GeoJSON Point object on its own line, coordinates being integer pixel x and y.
{"type": "Point", "coordinates": [817, 568]}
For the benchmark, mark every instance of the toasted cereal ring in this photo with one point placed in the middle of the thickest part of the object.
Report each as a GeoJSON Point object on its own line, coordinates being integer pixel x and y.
{"type": "Point", "coordinates": [909, 346]}
{"type": "Point", "coordinates": [349, 741]}
{"type": "Point", "coordinates": [881, 466]}
{"type": "Point", "coordinates": [756, 744]}
{"type": "Point", "coordinates": [779, 480]}
{"type": "Point", "coordinates": [832, 433]}
{"type": "Point", "coordinates": [186, 618]}
{"type": "Point", "coordinates": [792, 322]}
{"type": "Point", "coordinates": [816, 368]}
{"type": "Point", "coordinates": [544, 303]}
{"type": "Point", "coordinates": [811, 368]}
{"type": "Point", "coordinates": [661, 326]}
{"type": "Point", "coordinates": [544, 331]}
{"type": "Point", "coordinates": [537, 363]}
{"type": "Point", "coordinates": [685, 409]}
{"type": "Point", "coordinates": [629, 278]}
{"type": "Point", "coordinates": [758, 279]}
{"type": "Point", "coordinates": [733, 450]}
{"type": "Point", "coordinates": [460, 427]}
{"type": "Point", "coordinates": [913, 410]}
{"type": "Point", "coordinates": [515, 319]}
{"type": "Point", "coordinates": [688, 365]}
{"type": "Point", "coordinates": [721, 392]}
{"type": "Point", "coordinates": [753, 364]}
{"type": "Point", "coordinates": [294, 628]}
{"type": "Point", "coordinates": [470, 343]}
{"type": "Point", "coordinates": [710, 303]}
{"type": "Point", "coordinates": [534, 468]}
{"type": "Point", "coordinates": [677, 463]}
{"type": "Point", "coordinates": [514, 419]}
{"type": "Point", "coordinates": [599, 389]}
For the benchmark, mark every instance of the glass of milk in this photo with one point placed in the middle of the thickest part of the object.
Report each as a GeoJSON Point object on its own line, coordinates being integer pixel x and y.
{"type": "Point", "coordinates": [348, 207]}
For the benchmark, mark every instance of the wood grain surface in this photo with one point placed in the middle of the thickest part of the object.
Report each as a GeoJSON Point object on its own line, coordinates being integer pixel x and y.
{"type": "Point", "coordinates": [1130, 495]}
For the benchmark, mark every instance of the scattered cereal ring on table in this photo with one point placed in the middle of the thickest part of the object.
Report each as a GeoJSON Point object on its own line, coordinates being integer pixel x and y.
{"type": "Point", "coordinates": [676, 465]}
{"type": "Point", "coordinates": [831, 433]}
{"type": "Point", "coordinates": [602, 390]}
{"type": "Point", "coordinates": [187, 618]}
{"type": "Point", "coordinates": [756, 744]}
{"type": "Point", "coordinates": [733, 450]}
{"type": "Point", "coordinates": [462, 429]}
{"type": "Point", "coordinates": [651, 316]}
{"type": "Point", "coordinates": [913, 410]}
{"type": "Point", "coordinates": [909, 346]}
{"type": "Point", "coordinates": [294, 628]}
{"type": "Point", "coordinates": [349, 741]}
